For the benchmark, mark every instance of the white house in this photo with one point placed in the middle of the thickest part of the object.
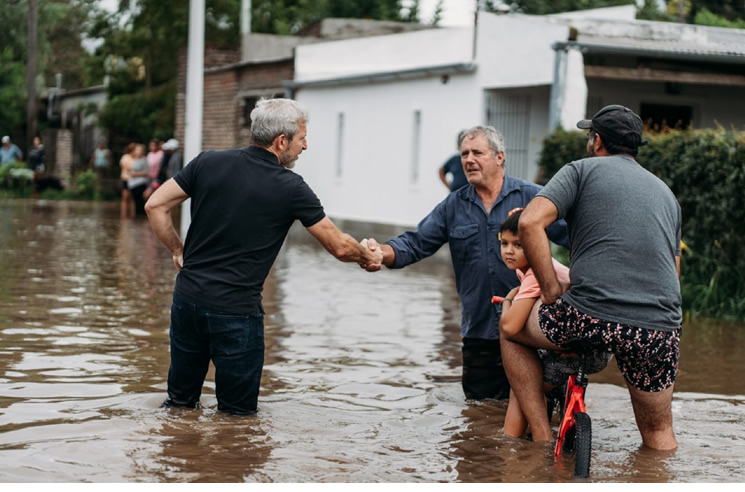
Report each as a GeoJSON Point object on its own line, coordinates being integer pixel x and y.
{"type": "Point", "coordinates": [386, 110]}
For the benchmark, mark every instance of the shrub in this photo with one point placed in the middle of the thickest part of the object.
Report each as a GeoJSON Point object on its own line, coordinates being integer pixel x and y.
{"type": "Point", "coordinates": [85, 185]}
{"type": "Point", "coordinates": [16, 177]}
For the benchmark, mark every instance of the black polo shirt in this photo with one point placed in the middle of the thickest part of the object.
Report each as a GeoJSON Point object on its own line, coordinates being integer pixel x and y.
{"type": "Point", "coordinates": [242, 205]}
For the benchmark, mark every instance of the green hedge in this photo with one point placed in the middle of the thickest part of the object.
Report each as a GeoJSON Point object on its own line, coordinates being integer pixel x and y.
{"type": "Point", "coordinates": [706, 171]}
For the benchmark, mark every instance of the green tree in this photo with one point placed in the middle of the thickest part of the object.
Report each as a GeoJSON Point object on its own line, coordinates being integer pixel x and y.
{"type": "Point", "coordinates": [59, 51]}
{"type": "Point", "coordinates": [708, 12]}
{"type": "Point", "coordinates": [12, 92]}
{"type": "Point", "coordinates": [650, 10]}
{"type": "Point", "coordinates": [293, 16]}
{"type": "Point", "coordinates": [706, 18]}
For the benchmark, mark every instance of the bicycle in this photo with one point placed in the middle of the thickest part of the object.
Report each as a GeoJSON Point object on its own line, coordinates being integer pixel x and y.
{"type": "Point", "coordinates": [575, 428]}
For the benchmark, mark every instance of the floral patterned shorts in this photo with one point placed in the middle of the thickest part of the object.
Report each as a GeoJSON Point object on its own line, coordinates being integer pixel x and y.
{"type": "Point", "coordinates": [648, 359]}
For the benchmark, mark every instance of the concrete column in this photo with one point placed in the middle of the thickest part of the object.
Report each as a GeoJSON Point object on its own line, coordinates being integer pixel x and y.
{"type": "Point", "coordinates": [575, 91]}
{"type": "Point", "coordinates": [568, 98]}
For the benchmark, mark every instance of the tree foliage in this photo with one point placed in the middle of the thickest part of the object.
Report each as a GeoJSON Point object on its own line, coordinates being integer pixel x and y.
{"type": "Point", "coordinates": [717, 13]}
{"type": "Point", "coordinates": [293, 16]}
{"type": "Point", "coordinates": [706, 18]}
{"type": "Point", "coordinates": [12, 93]}
{"type": "Point", "coordinates": [61, 24]}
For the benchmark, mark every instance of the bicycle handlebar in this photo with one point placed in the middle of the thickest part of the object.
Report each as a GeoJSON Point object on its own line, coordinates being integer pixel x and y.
{"type": "Point", "coordinates": [497, 300]}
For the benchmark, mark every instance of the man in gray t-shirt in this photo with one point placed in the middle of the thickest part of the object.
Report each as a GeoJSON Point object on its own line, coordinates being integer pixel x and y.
{"type": "Point", "coordinates": [624, 228]}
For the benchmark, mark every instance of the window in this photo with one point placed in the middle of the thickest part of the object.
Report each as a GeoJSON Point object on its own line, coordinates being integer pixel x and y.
{"type": "Point", "coordinates": [415, 144]}
{"type": "Point", "coordinates": [249, 103]}
{"type": "Point", "coordinates": [657, 116]}
{"type": "Point", "coordinates": [339, 144]}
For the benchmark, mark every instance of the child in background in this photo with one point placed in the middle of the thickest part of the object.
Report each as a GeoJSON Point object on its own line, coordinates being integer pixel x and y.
{"type": "Point", "coordinates": [516, 308]}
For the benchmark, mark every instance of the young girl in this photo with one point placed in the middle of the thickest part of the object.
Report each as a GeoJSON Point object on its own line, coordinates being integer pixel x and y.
{"type": "Point", "coordinates": [516, 308]}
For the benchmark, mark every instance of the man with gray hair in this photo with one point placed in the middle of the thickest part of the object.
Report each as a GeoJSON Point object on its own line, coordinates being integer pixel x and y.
{"type": "Point", "coordinates": [469, 220]}
{"type": "Point", "coordinates": [243, 204]}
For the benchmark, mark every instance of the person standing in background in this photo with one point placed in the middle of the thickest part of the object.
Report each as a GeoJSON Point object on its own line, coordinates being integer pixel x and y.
{"type": "Point", "coordinates": [125, 164]}
{"type": "Point", "coordinates": [9, 152]}
{"type": "Point", "coordinates": [101, 158]}
{"type": "Point", "coordinates": [154, 163]}
{"type": "Point", "coordinates": [36, 157]}
{"type": "Point", "coordinates": [175, 160]}
{"type": "Point", "coordinates": [138, 180]}
{"type": "Point", "coordinates": [454, 168]}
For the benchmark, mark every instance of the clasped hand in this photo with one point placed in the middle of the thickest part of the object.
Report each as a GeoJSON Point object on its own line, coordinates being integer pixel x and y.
{"type": "Point", "coordinates": [373, 258]}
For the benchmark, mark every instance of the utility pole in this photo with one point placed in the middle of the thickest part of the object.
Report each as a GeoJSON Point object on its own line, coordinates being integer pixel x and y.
{"type": "Point", "coordinates": [194, 96]}
{"type": "Point", "coordinates": [31, 72]}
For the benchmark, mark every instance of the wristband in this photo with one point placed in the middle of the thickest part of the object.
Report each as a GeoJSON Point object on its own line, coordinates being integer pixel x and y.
{"type": "Point", "coordinates": [506, 299]}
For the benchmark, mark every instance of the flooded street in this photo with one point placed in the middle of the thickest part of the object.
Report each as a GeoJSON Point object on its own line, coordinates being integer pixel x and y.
{"type": "Point", "coordinates": [361, 381]}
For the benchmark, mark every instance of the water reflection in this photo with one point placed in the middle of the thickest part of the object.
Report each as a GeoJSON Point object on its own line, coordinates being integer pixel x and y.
{"type": "Point", "coordinates": [361, 382]}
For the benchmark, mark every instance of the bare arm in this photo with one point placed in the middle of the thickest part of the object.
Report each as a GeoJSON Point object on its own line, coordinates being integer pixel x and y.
{"type": "Point", "coordinates": [677, 265]}
{"type": "Point", "coordinates": [159, 207]}
{"type": "Point", "coordinates": [343, 246]}
{"type": "Point", "coordinates": [534, 220]}
{"type": "Point", "coordinates": [444, 179]}
{"type": "Point", "coordinates": [515, 313]}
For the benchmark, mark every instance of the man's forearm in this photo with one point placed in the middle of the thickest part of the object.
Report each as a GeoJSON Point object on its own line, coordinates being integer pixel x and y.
{"type": "Point", "coordinates": [163, 227]}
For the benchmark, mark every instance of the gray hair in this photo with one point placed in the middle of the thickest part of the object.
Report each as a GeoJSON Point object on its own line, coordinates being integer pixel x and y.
{"type": "Point", "coordinates": [274, 117]}
{"type": "Point", "coordinates": [495, 139]}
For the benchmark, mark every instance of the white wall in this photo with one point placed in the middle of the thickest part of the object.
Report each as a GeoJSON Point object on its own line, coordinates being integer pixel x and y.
{"type": "Point", "coordinates": [375, 184]}
{"type": "Point", "coordinates": [515, 51]}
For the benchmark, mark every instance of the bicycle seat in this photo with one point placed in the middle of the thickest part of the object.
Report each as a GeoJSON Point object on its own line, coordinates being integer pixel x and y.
{"type": "Point", "coordinates": [578, 345]}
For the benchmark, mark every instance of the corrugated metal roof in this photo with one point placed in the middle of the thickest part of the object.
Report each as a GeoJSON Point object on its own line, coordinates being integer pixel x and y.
{"type": "Point", "coordinates": [660, 36]}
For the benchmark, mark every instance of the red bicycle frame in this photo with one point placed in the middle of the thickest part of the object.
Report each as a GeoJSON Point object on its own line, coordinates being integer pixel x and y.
{"type": "Point", "coordinates": [574, 402]}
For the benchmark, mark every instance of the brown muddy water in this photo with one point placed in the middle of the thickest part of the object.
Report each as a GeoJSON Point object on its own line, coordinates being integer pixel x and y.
{"type": "Point", "coordinates": [361, 382]}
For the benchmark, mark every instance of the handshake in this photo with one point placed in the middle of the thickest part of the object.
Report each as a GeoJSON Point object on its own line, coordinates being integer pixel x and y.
{"type": "Point", "coordinates": [373, 255]}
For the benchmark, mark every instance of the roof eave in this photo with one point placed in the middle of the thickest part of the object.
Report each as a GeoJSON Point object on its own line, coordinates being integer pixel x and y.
{"type": "Point", "coordinates": [651, 52]}
{"type": "Point", "coordinates": [394, 75]}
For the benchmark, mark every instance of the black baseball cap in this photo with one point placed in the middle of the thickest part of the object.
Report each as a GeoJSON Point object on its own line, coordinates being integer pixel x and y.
{"type": "Point", "coordinates": [616, 124]}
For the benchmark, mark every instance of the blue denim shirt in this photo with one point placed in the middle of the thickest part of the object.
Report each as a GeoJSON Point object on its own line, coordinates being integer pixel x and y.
{"type": "Point", "coordinates": [473, 236]}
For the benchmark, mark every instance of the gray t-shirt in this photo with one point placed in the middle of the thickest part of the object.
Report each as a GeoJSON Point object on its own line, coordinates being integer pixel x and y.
{"type": "Point", "coordinates": [624, 228]}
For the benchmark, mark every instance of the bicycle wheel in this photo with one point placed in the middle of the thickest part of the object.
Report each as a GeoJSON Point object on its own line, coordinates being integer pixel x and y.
{"type": "Point", "coordinates": [582, 445]}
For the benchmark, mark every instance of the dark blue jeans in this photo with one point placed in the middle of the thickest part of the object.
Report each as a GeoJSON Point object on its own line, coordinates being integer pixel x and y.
{"type": "Point", "coordinates": [234, 343]}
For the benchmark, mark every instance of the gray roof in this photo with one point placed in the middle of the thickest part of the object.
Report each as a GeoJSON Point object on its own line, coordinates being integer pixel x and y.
{"type": "Point", "coordinates": [669, 38]}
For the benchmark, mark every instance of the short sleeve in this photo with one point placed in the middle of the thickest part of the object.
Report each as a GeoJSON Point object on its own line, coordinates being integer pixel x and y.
{"type": "Point", "coordinates": [562, 189]}
{"type": "Point", "coordinates": [306, 206]}
{"type": "Point", "coordinates": [529, 288]}
{"type": "Point", "coordinates": [186, 177]}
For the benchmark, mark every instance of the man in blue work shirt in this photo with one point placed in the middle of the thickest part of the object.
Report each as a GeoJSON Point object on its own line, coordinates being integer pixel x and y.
{"type": "Point", "coordinates": [469, 220]}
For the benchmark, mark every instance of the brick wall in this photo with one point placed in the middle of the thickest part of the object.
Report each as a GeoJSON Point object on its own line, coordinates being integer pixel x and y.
{"type": "Point", "coordinates": [259, 80]}
{"type": "Point", "coordinates": [219, 117]}
{"type": "Point", "coordinates": [225, 90]}
{"type": "Point", "coordinates": [213, 57]}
